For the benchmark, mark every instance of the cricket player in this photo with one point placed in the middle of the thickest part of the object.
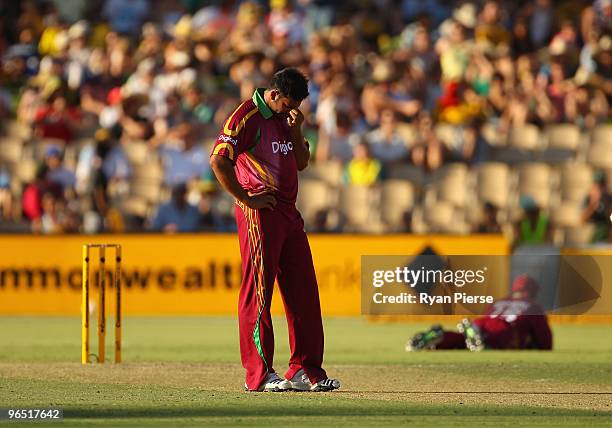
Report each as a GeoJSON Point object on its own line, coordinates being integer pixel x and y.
{"type": "Point", "coordinates": [516, 322]}
{"type": "Point", "coordinates": [256, 159]}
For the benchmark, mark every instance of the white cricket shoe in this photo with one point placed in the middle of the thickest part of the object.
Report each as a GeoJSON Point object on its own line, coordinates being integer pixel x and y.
{"type": "Point", "coordinates": [300, 382]}
{"type": "Point", "coordinates": [273, 383]}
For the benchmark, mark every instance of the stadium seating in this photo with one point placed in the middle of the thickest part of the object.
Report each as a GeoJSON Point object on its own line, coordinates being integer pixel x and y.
{"type": "Point", "coordinates": [526, 137]}
{"type": "Point", "coordinates": [358, 207]}
{"type": "Point", "coordinates": [602, 134]}
{"type": "Point", "coordinates": [397, 199]}
{"type": "Point", "coordinates": [493, 183]}
{"type": "Point", "coordinates": [576, 179]}
{"type": "Point", "coordinates": [564, 136]}
{"type": "Point", "coordinates": [313, 198]}
{"type": "Point", "coordinates": [535, 181]}
{"type": "Point", "coordinates": [329, 172]}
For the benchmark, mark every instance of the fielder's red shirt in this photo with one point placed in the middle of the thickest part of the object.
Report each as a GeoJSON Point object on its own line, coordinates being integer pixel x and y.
{"type": "Point", "coordinates": [516, 324]}
{"type": "Point", "coordinates": [258, 142]}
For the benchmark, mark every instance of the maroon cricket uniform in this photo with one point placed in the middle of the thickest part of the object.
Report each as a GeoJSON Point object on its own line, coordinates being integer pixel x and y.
{"type": "Point", "coordinates": [508, 324]}
{"type": "Point", "coordinates": [273, 244]}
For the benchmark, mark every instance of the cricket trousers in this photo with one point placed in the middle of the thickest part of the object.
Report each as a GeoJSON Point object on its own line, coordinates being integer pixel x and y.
{"type": "Point", "coordinates": [274, 246]}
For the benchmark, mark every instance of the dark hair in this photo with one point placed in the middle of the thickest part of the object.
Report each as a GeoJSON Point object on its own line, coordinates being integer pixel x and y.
{"type": "Point", "coordinates": [291, 83]}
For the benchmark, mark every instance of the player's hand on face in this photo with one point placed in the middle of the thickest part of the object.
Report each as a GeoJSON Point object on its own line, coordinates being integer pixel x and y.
{"type": "Point", "coordinates": [295, 118]}
{"type": "Point", "coordinates": [261, 200]}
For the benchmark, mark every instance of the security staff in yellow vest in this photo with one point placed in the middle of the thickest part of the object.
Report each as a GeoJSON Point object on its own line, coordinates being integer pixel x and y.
{"type": "Point", "coordinates": [534, 227]}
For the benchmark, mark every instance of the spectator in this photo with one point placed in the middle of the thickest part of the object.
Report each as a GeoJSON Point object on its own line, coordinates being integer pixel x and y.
{"type": "Point", "coordinates": [184, 160]}
{"type": "Point", "coordinates": [337, 143]}
{"type": "Point", "coordinates": [454, 53]}
{"type": "Point", "coordinates": [103, 168]}
{"type": "Point", "coordinates": [213, 217]}
{"type": "Point", "coordinates": [177, 215]}
{"type": "Point", "coordinates": [6, 197]}
{"type": "Point", "coordinates": [150, 43]}
{"type": "Point", "coordinates": [541, 22]}
{"type": "Point", "coordinates": [429, 153]}
{"type": "Point", "coordinates": [250, 32]}
{"type": "Point", "coordinates": [521, 43]}
{"type": "Point", "coordinates": [385, 142]}
{"type": "Point", "coordinates": [489, 31]}
{"type": "Point", "coordinates": [32, 197]}
{"type": "Point", "coordinates": [126, 16]}
{"type": "Point", "coordinates": [489, 222]}
{"type": "Point", "coordinates": [597, 208]}
{"type": "Point", "coordinates": [319, 14]}
{"type": "Point", "coordinates": [115, 163]}
{"type": "Point", "coordinates": [56, 119]}
{"type": "Point", "coordinates": [460, 105]}
{"type": "Point", "coordinates": [363, 169]}
{"type": "Point", "coordinates": [25, 50]}
{"type": "Point", "coordinates": [214, 22]}
{"type": "Point", "coordinates": [56, 217]}
{"type": "Point", "coordinates": [285, 21]}
{"type": "Point", "coordinates": [57, 172]}
{"type": "Point", "coordinates": [78, 54]}
{"type": "Point", "coordinates": [386, 92]}
{"type": "Point", "coordinates": [534, 227]}
{"type": "Point", "coordinates": [468, 144]}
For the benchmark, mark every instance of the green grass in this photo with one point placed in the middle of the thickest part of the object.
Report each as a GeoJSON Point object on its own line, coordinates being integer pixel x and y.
{"type": "Point", "coordinates": [186, 372]}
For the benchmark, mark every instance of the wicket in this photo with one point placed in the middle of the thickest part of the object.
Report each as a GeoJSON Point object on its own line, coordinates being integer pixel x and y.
{"type": "Point", "coordinates": [101, 283]}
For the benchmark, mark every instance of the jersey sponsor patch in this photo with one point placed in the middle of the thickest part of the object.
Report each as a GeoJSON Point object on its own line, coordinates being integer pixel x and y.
{"type": "Point", "coordinates": [284, 147]}
{"type": "Point", "coordinates": [228, 139]}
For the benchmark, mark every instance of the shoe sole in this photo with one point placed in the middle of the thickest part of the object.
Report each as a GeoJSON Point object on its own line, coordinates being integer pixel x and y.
{"type": "Point", "coordinates": [286, 386]}
{"type": "Point", "coordinates": [300, 387]}
{"type": "Point", "coordinates": [323, 389]}
{"type": "Point", "coordinates": [303, 387]}
{"type": "Point", "coordinates": [268, 389]}
{"type": "Point", "coordinates": [276, 389]}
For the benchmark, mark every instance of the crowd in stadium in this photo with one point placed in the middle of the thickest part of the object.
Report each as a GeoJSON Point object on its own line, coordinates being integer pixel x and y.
{"type": "Point", "coordinates": [434, 116]}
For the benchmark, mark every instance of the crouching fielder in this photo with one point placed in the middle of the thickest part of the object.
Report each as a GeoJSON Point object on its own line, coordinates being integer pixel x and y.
{"type": "Point", "coordinates": [515, 322]}
{"type": "Point", "coordinates": [256, 159]}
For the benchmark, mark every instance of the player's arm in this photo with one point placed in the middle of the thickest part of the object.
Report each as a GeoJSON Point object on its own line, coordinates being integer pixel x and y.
{"type": "Point", "coordinates": [236, 137]}
{"type": "Point", "coordinates": [300, 148]}
{"type": "Point", "coordinates": [224, 171]}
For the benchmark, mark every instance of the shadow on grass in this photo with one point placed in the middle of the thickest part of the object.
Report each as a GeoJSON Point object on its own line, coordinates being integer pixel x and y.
{"type": "Point", "coordinates": [356, 410]}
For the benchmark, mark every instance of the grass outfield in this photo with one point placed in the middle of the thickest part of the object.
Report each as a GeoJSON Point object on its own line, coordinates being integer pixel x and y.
{"type": "Point", "coordinates": [186, 371]}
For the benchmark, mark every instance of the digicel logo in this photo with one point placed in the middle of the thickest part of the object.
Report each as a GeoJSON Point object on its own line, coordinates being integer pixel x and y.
{"type": "Point", "coordinates": [283, 147]}
{"type": "Point", "coordinates": [227, 139]}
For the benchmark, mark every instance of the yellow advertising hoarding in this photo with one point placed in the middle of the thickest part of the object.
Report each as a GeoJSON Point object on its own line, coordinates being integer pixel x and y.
{"type": "Point", "coordinates": [193, 274]}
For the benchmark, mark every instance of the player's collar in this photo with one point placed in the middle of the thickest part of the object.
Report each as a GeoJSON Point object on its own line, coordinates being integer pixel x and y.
{"type": "Point", "coordinates": [259, 101]}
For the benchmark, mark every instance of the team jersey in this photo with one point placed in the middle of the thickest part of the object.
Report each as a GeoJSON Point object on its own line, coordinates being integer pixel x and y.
{"type": "Point", "coordinates": [258, 142]}
{"type": "Point", "coordinates": [516, 324]}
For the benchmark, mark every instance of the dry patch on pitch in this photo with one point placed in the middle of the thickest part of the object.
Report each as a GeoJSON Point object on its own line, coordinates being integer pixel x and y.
{"type": "Point", "coordinates": [426, 384]}
{"type": "Point", "coordinates": [221, 377]}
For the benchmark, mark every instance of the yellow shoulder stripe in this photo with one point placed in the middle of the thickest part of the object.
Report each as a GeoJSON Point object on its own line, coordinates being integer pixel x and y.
{"type": "Point", "coordinates": [235, 132]}
{"type": "Point", "coordinates": [222, 146]}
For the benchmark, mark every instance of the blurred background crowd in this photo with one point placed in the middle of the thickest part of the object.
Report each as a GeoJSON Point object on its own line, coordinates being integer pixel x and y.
{"type": "Point", "coordinates": [435, 116]}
